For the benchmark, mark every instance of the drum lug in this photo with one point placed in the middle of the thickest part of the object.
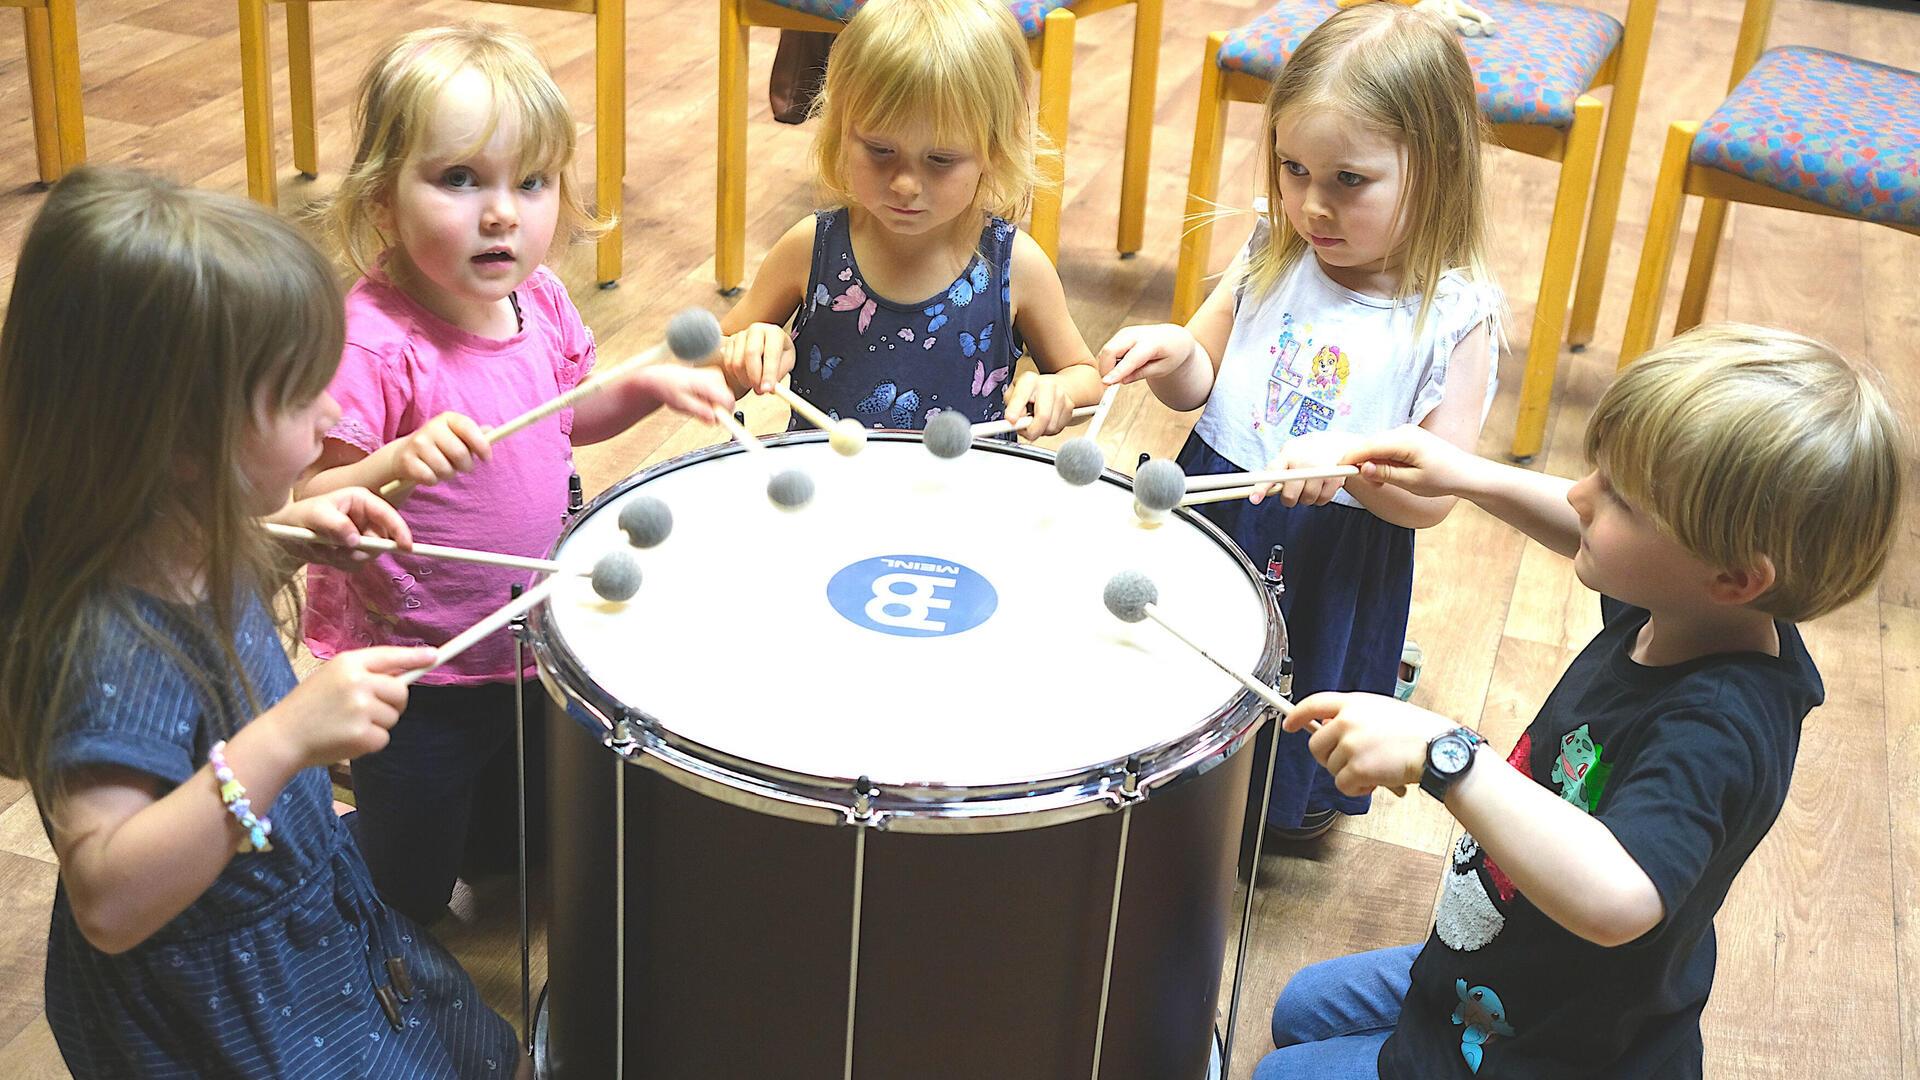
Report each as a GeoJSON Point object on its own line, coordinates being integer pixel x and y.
{"type": "Point", "coordinates": [1129, 791]}
{"type": "Point", "coordinates": [862, 813]}
{"type": "Point", "coordinates": [1284, 684]}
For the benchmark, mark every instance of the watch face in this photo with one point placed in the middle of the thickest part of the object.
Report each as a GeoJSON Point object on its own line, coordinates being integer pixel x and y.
{"type": "Point", "coordinates": [1451, 754]}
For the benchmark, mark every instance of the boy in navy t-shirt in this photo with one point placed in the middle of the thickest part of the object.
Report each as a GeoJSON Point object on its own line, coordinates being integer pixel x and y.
{"type": "Point", "coordinates": [1743, 479]}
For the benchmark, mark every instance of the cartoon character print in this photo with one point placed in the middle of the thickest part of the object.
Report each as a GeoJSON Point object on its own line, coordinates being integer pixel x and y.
{"type": "Point", "coordinates": [1578, 769]}
{"type": "Point", "coordinates": [1327, 375]}
{"type": "Point", "coordinates": [1467, 919]}
{"type": "Point", "coordinates": [1313, 416]}
{"type": "Point", "coordinates": [1481, 1016]}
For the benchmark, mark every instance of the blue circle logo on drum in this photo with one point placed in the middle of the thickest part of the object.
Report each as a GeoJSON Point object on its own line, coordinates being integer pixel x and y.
{"type": "Point", "coordinates": [912, 595]}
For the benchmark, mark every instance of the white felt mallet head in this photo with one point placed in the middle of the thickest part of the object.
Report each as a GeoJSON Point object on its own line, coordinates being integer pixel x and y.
{"type": "Point", "coordinates": [693, 334]}
{"type": "Point", "coordinates": [948, 434]}
{"type": "Point", "coordinates": [1080, 462]}
{"type": "Point", "coordinates": [790, 489]}
{"type": "Point", "coordinates": [1158, 487]}
{"type": "Point", "coordinates": [847, 437]}
{"type": "Point", "coordinates": [616, 576]}
{"type": "Point", "coordinates": [1128, 593]}
{"type": "Point", "coordinates": [646, 521]}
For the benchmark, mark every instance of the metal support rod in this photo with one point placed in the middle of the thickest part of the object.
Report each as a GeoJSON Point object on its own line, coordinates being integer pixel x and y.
{"type": "Point", "coordinates": [1246, 908]}
{"type": "Point", "coordinates": [519, 629]}
{"type": "Point", "coordinates": [1113, 928]}
{"type": "Point", "coordinates": [861, 800]}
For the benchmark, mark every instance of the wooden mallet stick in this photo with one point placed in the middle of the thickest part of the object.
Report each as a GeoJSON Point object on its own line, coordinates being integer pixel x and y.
{"type": "Point", "coordinates": [1267, 481]}
{"type": "Point", "coordinates": [1003, 427]}
{"type": "Point", "coordinates": [472, 635]}
{"type": "Point", "coordinates": [1131, 596]}
{"type": "Point", "coordinates": [432, 551]}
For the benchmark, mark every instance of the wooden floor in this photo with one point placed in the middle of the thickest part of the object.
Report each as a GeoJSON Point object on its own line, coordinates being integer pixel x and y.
{"type": "Point", "coordinates": [1819, 944]}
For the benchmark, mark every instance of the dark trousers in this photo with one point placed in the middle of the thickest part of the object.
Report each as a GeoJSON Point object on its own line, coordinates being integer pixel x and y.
{"type": "Point", "coordinates": [439, 801]}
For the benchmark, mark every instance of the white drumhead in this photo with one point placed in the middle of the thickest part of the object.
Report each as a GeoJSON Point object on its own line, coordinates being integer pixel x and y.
{"type": "Point", "coordinates": [758, 632]}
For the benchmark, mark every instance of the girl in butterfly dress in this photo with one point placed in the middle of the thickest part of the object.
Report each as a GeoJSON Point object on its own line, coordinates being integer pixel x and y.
{"type": "Point", "coordinates": [915, 294]}
{"type": "Point", "coordinates": [1361, 302]}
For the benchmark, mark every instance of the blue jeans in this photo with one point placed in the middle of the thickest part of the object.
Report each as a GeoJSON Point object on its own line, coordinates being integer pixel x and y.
{"type": "Point", "coordinates": [1333, 1016]}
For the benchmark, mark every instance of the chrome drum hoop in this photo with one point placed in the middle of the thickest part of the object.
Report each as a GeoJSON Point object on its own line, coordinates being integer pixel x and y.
{"type": "Point", "coordinates": [641, 739]}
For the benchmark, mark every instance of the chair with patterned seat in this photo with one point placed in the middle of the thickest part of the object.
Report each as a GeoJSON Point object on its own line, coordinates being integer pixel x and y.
{"type": "Point", "coordinates": [53, 84]}
{"type": "Point", "coordinates": [1534, 75]}
{"type": "Point", "coordinates": [1049, 27]}
{"type": "Point", "coordinates": [256, 103]}
{"type": "Point", "coordinates": [1801, 129]}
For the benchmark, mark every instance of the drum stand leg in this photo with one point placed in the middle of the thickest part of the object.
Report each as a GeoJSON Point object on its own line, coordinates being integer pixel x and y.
{"type": "Point", "coordinates": [519, 627]}
{"type": "Point", "coordinates": [1246, 908]}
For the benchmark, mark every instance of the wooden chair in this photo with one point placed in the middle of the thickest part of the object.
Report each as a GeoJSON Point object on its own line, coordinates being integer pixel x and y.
{"type": "Point", "coordinates": [609, 120]}
{"type": "Point", "coordinates": [1801, 129]}
{"type": "Point", "coordinates": [53, 79]}
{"type": "Point", "coordinates": [1534, 75]}
{"type": "Point", "coordinates": [1049, 26]}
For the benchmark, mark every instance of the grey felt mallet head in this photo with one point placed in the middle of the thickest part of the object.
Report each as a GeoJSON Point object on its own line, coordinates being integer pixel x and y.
{"type": "Point", "coordinates": [1128, 593]}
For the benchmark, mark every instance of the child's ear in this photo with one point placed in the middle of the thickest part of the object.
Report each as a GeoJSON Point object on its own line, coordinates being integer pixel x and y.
{"type": "Point", "coordinates": [380, 209]}
{"type": "Point", "coordinates": [1737, 587]}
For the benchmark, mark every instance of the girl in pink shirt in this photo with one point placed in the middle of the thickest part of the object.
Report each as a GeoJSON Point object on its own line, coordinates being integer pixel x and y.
{"type": "Point", "coordinates": [458, 186]}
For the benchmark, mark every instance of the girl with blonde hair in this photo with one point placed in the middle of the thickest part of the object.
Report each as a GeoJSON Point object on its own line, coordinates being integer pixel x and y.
{"type": "Point", "coordinates": [1361, 302]}
{"type": "Point", "coordinates": [458, 187]}
{"type": "Point", "coordinates": [163, 374]}
{"type": "Point", "coordinates": [914, 293]}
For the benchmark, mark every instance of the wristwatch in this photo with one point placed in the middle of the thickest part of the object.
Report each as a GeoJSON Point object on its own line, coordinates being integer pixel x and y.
{"type": "Point", "coordinates": [1449, 756]}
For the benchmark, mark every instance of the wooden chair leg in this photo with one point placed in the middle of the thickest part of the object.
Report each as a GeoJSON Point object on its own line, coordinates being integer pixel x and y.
{"type": "Point", "coordinates": [1203, 184]}
{"type": "Point", "coordinates": [306, 139]}
{"type": "Point", "coordinates": [730, 200]}
{"type": "Point", "coordinates": [1605, 211]}
{"type": "Point", "coordinates": [1700, 264]}
{"type": "Point", "coordinates": [256, 101]}
{"type": "Point", "coordinates": [1556, 279]}
{"type": "Point", "coordinates": [46, 121]}
{"type": "Point", "coordinates": [1056, 88]}
{"type": "Point", "coordinates": [610, 131]}
{"type": "Point", "coordinates": [64, 37]}
{"type": "Point", "coordinates": [1140, 102]}
{"type": "Point", "coordinates": [1656, 255]}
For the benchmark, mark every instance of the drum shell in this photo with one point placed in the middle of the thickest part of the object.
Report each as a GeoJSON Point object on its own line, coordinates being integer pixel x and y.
{"type": "Point", "coordinates": [981, 954]}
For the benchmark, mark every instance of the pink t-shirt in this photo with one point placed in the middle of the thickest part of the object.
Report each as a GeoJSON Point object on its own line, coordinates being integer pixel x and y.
{"type": "Point", "coordinates": [403, 366]}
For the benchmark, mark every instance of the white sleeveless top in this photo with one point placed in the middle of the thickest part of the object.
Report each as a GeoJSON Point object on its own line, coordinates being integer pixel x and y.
{"type": "Point", "coordinates": [1312, 355]}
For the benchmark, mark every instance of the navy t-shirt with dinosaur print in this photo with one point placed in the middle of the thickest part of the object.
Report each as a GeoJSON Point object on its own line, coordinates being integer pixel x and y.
{"type": "Point", "coordinates": [1687, 766]}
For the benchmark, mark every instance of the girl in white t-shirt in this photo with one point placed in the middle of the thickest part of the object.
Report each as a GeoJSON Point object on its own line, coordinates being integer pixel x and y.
{"type": "Point", "coordinates": [1364, 303]}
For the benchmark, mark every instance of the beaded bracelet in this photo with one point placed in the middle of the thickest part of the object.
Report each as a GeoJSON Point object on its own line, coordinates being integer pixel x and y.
{"type": "Point", "coordinates": [257, 828]}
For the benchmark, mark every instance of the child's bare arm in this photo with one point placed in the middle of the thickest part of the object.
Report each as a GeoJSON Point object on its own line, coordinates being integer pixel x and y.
{"type": "Point", "coordinates": [1421, 462]}
{"type": "Point", "coordinates": [758, 351]}
{"type": "Point", "coordinates": [1067, 377]}
{"type": "Point", "coordinates": [1457, 419]}
{"type": "Point", "coordinates": [1568, 863]}
{"type": "Point", "coordinates": [133, 858]}
{"type": "Point", "coordinates": [441, 448]}
{"type": "Point", "coordinates": [1178, 362]}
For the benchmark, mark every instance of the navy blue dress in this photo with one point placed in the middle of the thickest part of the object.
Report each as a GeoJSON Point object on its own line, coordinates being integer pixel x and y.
{"type": "Point", "coordinates": [272, 971]}
{"type": "Point", "coordinates": [892, 364]}
{"type": "Point", "coordinates": [1349, 579]}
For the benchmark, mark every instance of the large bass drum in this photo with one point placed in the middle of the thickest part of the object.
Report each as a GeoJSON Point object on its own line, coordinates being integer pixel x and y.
{"type": "Point", "coordinates": [879, 788]}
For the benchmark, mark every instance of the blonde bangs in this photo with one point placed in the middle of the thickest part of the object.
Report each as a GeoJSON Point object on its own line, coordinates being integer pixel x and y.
{"type": "Point", "coordinates": [1746, 442]}
{"type": "Point", "coordinates": [960, 67]}
{"type": "Point", "coordinates": [396, 100]}
{"type": "Point", "coordinates": [1401, 73]}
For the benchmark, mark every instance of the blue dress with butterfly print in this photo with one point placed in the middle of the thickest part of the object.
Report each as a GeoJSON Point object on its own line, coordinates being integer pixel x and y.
{"type": "Point", "coordinates": [890, 364]}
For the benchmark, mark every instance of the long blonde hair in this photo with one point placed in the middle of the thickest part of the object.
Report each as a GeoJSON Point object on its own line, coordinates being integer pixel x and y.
{"type": "Point", "coordinates": [396, 100]}
{"type": "Point", "coordinates": [1742, 442]}
{"type": "Point", "coordinates": [960, 65]}
{"type": "Point", "coordinates": [1402, 73]}
{"type": "Point", "coordinates": [149, 325]}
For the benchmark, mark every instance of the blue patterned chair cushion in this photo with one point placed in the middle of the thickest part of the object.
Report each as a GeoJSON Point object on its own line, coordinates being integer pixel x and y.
{"type": "Point", "coordinates": [1031, 13]}
{"type": "Point", "coordinates": [1537, 62]}
{"type": "Point", "coordinates": [1841, 132]}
